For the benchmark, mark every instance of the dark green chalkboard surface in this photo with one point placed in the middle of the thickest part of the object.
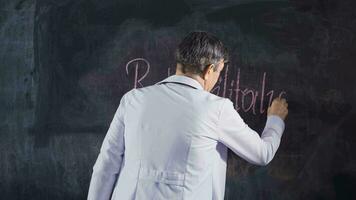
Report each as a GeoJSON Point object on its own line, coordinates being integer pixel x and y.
{"type": "Point", "coordinates": [66, 64]}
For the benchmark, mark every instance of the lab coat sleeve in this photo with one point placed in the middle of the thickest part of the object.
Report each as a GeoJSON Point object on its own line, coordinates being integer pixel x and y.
{"type": "Point", "coordinates": [244, 141]}
{"type": "Point", "coordinates": [107, 166]}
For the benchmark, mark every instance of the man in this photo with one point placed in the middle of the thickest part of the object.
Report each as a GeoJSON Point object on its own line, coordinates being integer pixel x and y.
{"type": "Point", "coordinates": [170, 140]}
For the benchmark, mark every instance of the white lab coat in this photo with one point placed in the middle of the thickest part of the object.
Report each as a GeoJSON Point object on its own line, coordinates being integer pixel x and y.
{"type": "Point", "coordinates": [169, 141]}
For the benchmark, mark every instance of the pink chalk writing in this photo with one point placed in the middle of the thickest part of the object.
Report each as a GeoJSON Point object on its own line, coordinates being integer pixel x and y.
{"type": "Point", "coordinates": [244, 99]}
{"type": "Point", "coordinates": [137, 61]}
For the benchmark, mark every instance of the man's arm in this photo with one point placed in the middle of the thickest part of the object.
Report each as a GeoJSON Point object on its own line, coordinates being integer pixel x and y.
{"type": "Point", "coordinates": [244, 141]}
{"type": "Point", "coordinates": [108, 164]}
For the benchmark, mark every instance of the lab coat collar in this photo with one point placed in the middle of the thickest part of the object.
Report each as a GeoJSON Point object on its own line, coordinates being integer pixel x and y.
{"type": "Point", "coordinates": [183, 80]}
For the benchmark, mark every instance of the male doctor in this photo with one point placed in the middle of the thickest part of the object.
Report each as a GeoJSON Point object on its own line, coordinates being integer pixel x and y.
{"type": "Point", "coordinates": [169, 140]}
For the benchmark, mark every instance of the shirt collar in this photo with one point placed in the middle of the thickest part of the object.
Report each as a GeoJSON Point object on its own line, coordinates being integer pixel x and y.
{"type": "Point", "coordinates": [183, 80]}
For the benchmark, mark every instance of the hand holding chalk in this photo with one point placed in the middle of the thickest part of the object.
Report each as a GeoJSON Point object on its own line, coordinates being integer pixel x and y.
{"type": "Point", "coordinates": [279, 107]}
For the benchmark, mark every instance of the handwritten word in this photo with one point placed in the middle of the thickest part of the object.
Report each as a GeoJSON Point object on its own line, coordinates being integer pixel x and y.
{"type": "Point", "coordinates": [248, 98]}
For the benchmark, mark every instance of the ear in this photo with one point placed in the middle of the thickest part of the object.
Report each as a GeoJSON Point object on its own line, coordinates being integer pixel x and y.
{"type": "Point", "coordinates": [207, 71]}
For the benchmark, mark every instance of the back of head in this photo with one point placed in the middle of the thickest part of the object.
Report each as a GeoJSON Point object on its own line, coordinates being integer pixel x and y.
{"type": "Point", "coordinates": [199, 49]}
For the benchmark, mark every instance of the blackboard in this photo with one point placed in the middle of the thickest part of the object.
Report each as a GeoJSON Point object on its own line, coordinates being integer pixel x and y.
{"type": "Point", "coordinates": [66, 64]}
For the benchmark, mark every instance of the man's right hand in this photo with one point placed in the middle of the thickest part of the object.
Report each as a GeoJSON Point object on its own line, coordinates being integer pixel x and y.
{"type": "Point", "coordinates": [278, 107]}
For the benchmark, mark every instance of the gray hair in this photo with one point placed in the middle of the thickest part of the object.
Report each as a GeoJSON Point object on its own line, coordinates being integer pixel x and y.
{"type": "Point", "coordinates": [199, 49]}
